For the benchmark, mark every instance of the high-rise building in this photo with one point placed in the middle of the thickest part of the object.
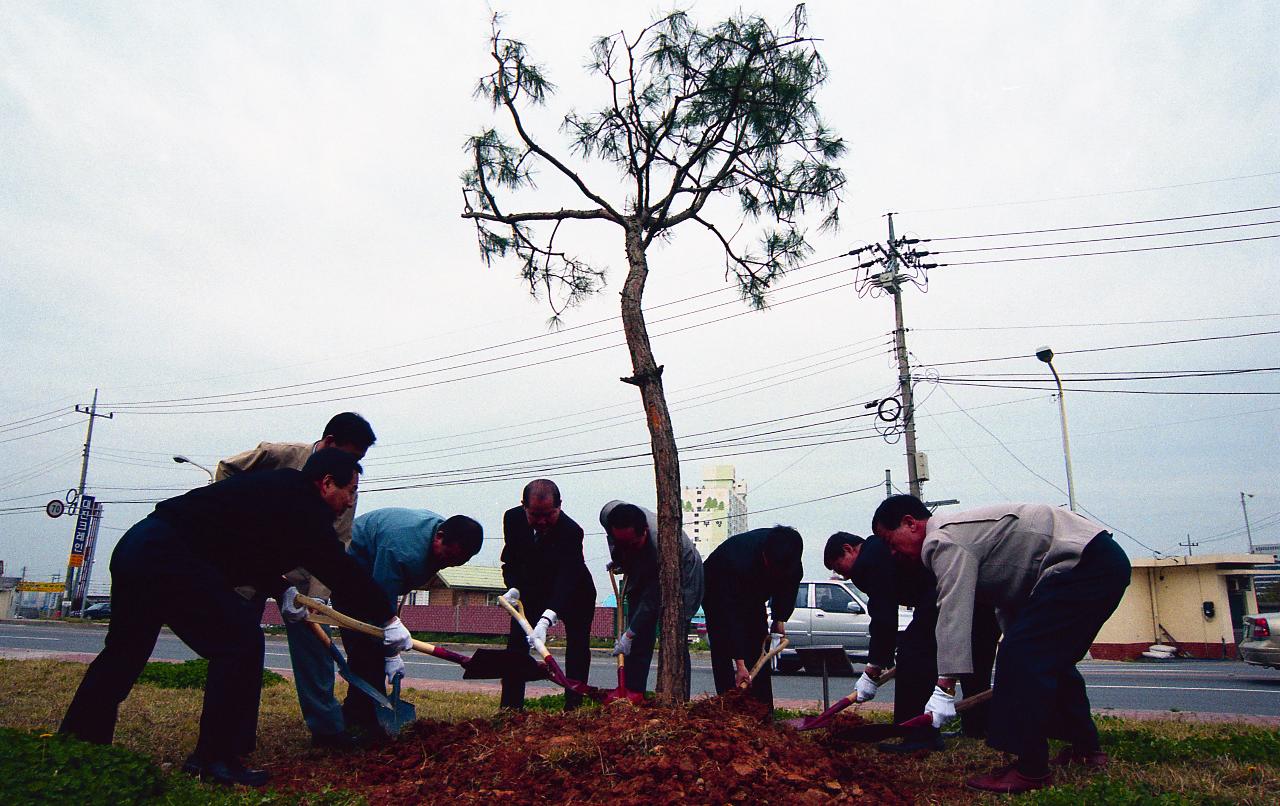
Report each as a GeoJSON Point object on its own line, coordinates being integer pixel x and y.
{"type": "Point", "coordinates": [715, 509]}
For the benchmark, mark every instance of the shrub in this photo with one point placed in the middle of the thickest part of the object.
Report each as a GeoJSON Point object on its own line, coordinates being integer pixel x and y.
{"type": "Point", "coordinates": [190, 674]}
{"type": "Point", "coordinates": [44, 768]}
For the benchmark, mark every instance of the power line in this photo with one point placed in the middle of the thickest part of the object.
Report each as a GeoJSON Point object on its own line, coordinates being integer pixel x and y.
{"type": "Point", "coordinates": [38, 433]}
{"type": "Point", "coordinates": [1165, 343]}
{"type": "Point", "coordinates": [1096, 324]}
{"type": "Point", "coordinates": [1104, 226]}
{"type": "Point", "coordinates": [1100, 240]}
{"type": "Point", "coordinates": [1107, 252]}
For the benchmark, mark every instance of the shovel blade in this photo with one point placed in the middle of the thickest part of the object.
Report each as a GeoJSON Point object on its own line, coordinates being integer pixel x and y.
{"type": "Point", "coordinates": [491, 664]}
{"type": "Point", "coordinates": [875, 733]}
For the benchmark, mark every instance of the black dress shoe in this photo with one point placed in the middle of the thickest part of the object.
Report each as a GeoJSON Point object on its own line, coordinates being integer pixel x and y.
{"type": "Point", "coordinates": [226, 772]}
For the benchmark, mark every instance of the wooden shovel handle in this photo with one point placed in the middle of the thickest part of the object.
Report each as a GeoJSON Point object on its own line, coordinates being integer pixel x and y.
{"type": "Point", "coordinates": [352, 624]}
{"type": "Point", "coordinates": [517, 613]}
{"type": "Point", "coordinates": [768, 656]}
{"type": "Point", "coordinates": [976, 699]}
{"type": "Point", "coordinates": [617, 609]}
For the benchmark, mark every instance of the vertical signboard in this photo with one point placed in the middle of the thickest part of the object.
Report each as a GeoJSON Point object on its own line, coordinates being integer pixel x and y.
{"type": "Point", "coordinates": [81, 538]}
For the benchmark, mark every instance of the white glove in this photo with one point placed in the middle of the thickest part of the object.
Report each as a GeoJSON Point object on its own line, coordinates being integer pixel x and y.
{"type": "Point", "coordinates": [548, 620]}
{"type": "Point", "coordinates": [775, 638]}
{"type": "Point", "coordinates": [866, 688]}
{"type": "Point", "coordinates": [395, 638]}
{"type": "Point", "coordinates": [623, 645]}
{"type": "Point", "coordinates": [290, 610]}
{"type": "Point", "coordinates": [511, 596]}
{"type": "Point", "coordinates": [393, 666]}
{"type": "Point", "coordinates": [942, 706]}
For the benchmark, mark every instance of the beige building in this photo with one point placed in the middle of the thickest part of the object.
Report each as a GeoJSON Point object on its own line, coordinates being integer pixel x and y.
{"type": "Point", "coordinates": [1191, 603]}
{"type": "Point", "coordinates": [715, 509]}
{"type": "Point", "coordinates": [464, 585]}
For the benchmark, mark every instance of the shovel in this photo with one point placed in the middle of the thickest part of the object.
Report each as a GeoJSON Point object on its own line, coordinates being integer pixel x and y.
{"type": "Point", "coordinates": [554, 671]}
{"type": "Point", "coordinates": [621, 692]}
{"type": "Point", "coordinates": [765, 658]}
{"type": "Point", "coordinates": [485, 664]}
{"type": "Point", "coordinates": [393, 714]}
{"type": "Point", "coordinates": [821, 720]}
{"type": "Point", "coordinates": [876, 733]}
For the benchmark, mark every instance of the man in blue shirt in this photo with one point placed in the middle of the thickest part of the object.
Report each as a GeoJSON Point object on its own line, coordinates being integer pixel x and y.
{"type": "Point", "coordinates": [402, 549]}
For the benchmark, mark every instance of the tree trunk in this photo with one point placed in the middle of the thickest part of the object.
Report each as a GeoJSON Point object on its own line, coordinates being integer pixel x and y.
{"type": "Point", "coordinates": [666, 467]}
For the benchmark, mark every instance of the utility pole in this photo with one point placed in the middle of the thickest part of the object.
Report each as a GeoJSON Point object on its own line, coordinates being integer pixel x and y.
{"type": "Point", "coordinates": [1248, 532]}
{"type": "Point", "coordinates": [72, 566]}
{"type": "Point", "coordinates": [1188, 544]}
{"type": "Point", "coordinates": [894, 287]}
{"type": "Point", "coordinates": [888, 483]}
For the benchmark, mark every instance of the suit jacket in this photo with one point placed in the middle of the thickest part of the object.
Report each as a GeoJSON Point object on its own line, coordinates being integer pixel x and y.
{"type": "Point", "coordinates": [641, 567]}
{"type": "Point", "coordinates": [888, 582]}
{"type": "Point", "coordinates": [738, 586]}
{"type": "Point", "coordinates": [995, 555]}
{"type": "Point", "coordinates": [549, 571]}
{"type": "Point", "coordinates": [272, 456]}
{"type": "Point", "coordinates": [255, 526]}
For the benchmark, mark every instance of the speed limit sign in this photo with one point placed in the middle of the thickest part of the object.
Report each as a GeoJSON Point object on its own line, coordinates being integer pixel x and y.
{"type": "Point", "coordinates": [55, 508]}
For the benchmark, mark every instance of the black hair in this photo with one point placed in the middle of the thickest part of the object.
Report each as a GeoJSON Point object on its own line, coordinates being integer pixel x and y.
{"type": "Point", "coordinates": [540, 488]}
{"type": "Point", "coordinates": [783, 546]}
{"type": "Point", "coordinates": [836, 544]}
{"type": "Point", "coordinates": [463, 531]}
{"type": "Point", "coordinates": [349, 428]}
{"type": "Point", "coordinates": [331, 462]}
{"type": "Point", "coordinates": [893, 509]}
{"type": "Point", "coordinates": [627, 516]}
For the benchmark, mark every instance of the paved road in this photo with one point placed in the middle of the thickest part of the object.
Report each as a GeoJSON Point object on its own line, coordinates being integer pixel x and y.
{"type": "Point", "coordinates": [1222, 687]}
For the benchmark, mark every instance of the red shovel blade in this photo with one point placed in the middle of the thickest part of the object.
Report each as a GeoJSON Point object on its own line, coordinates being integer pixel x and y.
{"type": "Point", "coordinates": [811, 722]}
{"type": "Point", "coordinates": [557, 675]}
{"type": "Point", "coordinates": [622, 693]}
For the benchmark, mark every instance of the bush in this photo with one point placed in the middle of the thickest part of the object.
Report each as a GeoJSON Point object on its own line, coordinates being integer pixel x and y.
{"type": "Point", "coordinates": [190, 674]}
{"type": "Point", "coordinates": [44, 768]}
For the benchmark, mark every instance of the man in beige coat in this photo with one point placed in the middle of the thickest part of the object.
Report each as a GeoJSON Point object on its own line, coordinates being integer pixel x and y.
{"type": "Point", "coordinates": [312, 666]}
{"type": "Point", "coordinates": [1054, 578]}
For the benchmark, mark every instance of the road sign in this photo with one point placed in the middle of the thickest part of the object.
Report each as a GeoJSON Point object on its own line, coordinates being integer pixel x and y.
{"type": "Point", "coordinates": [55, 508]}
{"type": "Point", "coordinates": [81, 537]}
{"type": "Point", "coordinates": [41, 587]}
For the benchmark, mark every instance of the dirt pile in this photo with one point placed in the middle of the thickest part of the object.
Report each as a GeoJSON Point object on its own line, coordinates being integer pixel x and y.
{"type": "Point", "coordinates": [710, 752]}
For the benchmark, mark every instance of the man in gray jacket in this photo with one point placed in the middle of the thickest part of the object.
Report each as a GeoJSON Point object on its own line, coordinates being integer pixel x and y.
{"type": "Point", "coordinates": [1054, 578]}
{"type": "Point", "coordinates": [633, 546]}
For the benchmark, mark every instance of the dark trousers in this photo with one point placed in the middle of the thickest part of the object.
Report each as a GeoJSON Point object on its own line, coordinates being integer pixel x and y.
{"type": "Point", "coordinates": [364, 656]}
{"type": "Point", "coordinates": [917, 664]}
{"type": "Point", "coordinates": [723, 668]}
{"type": "Point", "coordinates": [577, 655]}
{"type": "Point", "coordinates": [636, 669]}
{"type": "Point", "coordinates": [1039, 692]}
{"type": "Point", "coordinates": [156, 580]}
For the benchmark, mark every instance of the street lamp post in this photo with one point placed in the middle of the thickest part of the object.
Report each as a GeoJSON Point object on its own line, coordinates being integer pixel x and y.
{"type": "Point", "coordinates": [1248, 533]}
{"type": "Point", "coordinates": [1046, 355]}
{"type": "Point", "coordinates": [182, 460]}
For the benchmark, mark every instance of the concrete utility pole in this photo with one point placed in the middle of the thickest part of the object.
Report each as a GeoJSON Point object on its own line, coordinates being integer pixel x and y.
{"type": "Point", "coordinates": [888, 483]}
{"type": "Point", "coordinates": [1248, 532]}
{"type": "Point", "coordinates": [1188, 545]}
{"type": "Point", "coordinates": [92, 411]}
{"type": "Point", "coordinates": [904, 367]}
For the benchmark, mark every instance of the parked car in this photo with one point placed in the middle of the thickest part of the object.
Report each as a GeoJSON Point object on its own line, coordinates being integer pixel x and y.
{"type": "Point", "coordinates": [830, 612]}
{"type": "Point", "coordinates": [1260, 644]}
{"type": "Point", "coordinates": [99, 610]}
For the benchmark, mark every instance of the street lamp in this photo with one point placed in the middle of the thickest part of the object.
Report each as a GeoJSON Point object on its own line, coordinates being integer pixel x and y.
{"type": "Point", "coordinates": [1248, 533]}
{"type": "Point", "coordinates": [182, 460]}
{"type": "Point", "coordinates": [1046, 355]}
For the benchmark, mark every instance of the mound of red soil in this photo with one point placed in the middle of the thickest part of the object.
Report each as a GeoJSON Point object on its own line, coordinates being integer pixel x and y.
{"type": "Point", "coordinates": [709, 752]}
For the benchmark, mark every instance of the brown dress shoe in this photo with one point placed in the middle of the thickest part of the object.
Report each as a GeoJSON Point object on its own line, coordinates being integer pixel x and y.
{"type": "Point", "coordinates": [1008, 780]}
{"type": "Point", "coordinates": [1093, 759]}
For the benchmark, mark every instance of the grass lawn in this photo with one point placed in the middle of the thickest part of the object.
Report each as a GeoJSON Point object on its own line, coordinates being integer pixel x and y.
{"type": "Point", "coordinates": [1154, 762]}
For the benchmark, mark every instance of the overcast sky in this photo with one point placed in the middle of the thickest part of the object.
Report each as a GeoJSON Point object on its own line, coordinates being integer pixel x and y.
{"type": "Point", "coordinates": [209, 199]}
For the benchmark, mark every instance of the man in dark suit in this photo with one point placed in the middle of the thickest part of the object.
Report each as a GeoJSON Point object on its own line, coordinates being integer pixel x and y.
{"type": "Point", "coordinates": [180, 566]}
{"type": "Point", "coordinates": [742, 574]}
{"type": "Point", "coordinates": [542, 559]}
{"type": "Point", "coordinates": [890, 580]}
